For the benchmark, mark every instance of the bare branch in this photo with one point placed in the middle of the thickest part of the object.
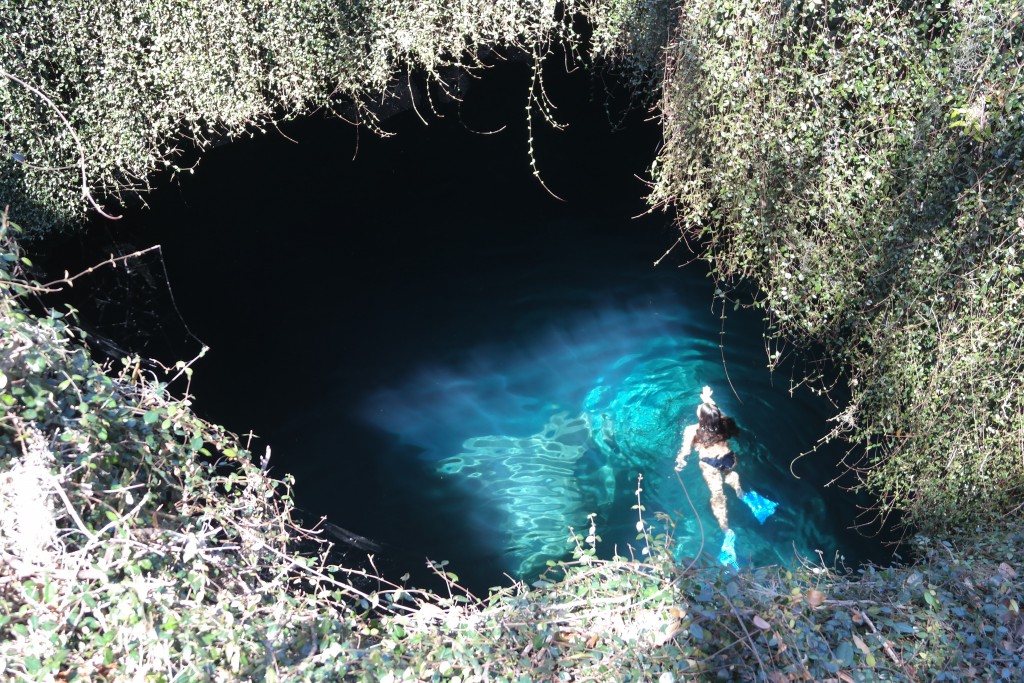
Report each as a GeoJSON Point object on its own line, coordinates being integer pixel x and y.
{"type": "Point", "coordinates": [86, 194]}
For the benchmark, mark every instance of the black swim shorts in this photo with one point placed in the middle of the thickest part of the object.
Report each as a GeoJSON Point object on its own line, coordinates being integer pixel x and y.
{"type": "Point", "coordinates": [722, 463]}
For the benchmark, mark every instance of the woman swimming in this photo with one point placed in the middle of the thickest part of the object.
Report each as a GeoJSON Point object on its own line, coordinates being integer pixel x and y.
{"type": "Point", "coordinates": [710, 438]}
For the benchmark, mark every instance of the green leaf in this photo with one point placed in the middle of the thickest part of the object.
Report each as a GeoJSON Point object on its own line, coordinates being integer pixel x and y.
{"type": "Point", "coordinates": [844, 653]}
{"type": "Point", "coordinates": [32, 664]}
{"type": "Point", "coordinates": [151, 417]}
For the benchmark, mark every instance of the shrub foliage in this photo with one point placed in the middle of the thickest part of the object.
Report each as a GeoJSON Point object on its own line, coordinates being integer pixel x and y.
{"type": "Point", "coordinates": [95, 97]}
{"type": "Point", "coordinates": [860, 163]}
{"type": "Point", "coordinates": [139, 542]}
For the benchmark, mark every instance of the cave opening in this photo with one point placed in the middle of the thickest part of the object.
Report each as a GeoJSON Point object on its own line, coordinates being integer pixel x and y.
{"type": "Point", "coordinates": [451, 362]}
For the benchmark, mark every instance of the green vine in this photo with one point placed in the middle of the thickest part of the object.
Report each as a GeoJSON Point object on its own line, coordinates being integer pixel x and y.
{"type": "Point", "coordinates": [864, 171]}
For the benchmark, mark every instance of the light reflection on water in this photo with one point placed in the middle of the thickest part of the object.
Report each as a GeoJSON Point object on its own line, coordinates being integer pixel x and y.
{"type": "Point", "coordinates": [554, 413]}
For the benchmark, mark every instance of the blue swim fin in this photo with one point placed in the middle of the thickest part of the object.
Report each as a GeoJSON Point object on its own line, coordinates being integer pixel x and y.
{"type": "Point", "coordinates": [728, 554]}
{"type": "Point", "coordinates": [759, 505]}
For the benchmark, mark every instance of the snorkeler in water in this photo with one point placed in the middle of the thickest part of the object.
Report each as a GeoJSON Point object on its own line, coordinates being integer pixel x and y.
{"type": "Point", "coordinates": [710, 438]}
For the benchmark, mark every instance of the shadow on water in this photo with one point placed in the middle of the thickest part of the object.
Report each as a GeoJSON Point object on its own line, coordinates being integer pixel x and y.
{"type": "Point", "coordinates": [457, 366]}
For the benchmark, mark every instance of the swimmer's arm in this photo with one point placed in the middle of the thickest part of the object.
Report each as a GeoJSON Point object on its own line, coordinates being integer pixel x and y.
{"type": "Point", "coordinates": [684, 450]}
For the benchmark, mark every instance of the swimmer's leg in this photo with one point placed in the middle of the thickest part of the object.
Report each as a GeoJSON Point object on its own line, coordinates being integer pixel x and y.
{"type": "Point", "coordinates": [713, 478]}
{"type": "Point", "coordinates": [733, 480]}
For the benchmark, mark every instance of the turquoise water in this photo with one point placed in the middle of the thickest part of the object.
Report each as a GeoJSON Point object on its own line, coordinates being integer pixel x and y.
{"type": "Point", "coordinates": [554, 391]}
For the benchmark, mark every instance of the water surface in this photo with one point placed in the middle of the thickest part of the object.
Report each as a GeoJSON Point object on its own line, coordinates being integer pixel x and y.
{"type": "Point", "coordinates": [456, 365]}
{"type": "Point", "coordinates": [557, 382]}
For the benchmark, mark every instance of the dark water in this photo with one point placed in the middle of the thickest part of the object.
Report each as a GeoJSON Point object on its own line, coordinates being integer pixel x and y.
{"type": "Point", "coordinates": [458, 366]}
{"type": "Point", "coordinates": [555, 393]}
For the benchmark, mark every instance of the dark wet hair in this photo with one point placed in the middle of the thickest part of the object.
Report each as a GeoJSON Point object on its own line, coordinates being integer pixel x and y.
{"type": "Point", "coordinates": [713, 427]}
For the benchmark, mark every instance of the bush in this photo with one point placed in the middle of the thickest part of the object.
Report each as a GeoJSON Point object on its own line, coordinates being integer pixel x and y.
{"type": "Point", "coordinates": [864, 173]}
{"type": "Point", "coordinates": [139, 542]}
{"type": "Point", "coordinates": [129, 90]}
